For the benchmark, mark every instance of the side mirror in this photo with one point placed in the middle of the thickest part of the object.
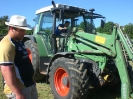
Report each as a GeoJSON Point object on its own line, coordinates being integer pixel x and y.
{"type": "Point", "coordinates": [102, 23]}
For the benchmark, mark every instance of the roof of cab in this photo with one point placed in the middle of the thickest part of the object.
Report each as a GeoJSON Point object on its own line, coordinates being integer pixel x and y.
{"type": "Point", "coordinates": [48, 8]}
{"type": "Point", "coordinates": [44, 9]}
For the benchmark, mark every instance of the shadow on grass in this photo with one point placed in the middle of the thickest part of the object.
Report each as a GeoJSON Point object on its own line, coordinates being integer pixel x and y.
{"type": "Point", "coordinates": [103, 93]}
{"type": "Point", "coordinates": [44, 80]}
{"type": "Point", "coordinates": [106, 92]}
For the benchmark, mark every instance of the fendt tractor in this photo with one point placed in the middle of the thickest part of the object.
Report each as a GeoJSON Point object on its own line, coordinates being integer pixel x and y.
{"type": "Point", "coordinates": [84, 58]}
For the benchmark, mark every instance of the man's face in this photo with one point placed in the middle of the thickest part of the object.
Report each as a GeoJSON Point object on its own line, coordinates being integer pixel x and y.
{"type": "Point", "coordinates": [19, 33]}
{"type": "Point", "coordinates": [67, 24]}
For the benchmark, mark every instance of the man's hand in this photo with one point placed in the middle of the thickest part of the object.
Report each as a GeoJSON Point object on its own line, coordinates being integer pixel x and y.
{"type": "Point", "coordinates": [20, 96]}
{"type": "Point", "coordinates": [10, 78]}
{"type": "Point", "coordinates": [65, 27]}
{"type": "Point", "coordinates": [62, 28]}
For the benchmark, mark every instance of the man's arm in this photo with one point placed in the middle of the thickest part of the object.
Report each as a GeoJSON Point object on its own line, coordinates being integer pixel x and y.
{"type": "Point", "coordinates": [7, 56]}
{"type": "Point", "coordinates": [62, 28]}
{"type": "Point", "coordinates": [10, 79]}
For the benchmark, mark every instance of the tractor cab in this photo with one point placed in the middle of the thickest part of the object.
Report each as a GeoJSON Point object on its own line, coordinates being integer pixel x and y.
{"type": "Point", "coordinates": [48, 18]}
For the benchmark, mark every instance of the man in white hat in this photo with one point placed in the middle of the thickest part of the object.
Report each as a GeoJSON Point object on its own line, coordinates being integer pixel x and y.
{"type": "Point", "coordinates": [16, 67]}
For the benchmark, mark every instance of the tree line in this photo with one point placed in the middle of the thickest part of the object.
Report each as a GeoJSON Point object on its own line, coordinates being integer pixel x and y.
{"type": "Point", "coordinates": [127, 28]}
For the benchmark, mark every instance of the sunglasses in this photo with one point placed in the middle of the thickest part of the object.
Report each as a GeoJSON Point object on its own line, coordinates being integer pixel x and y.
{"type": "Point", "coordinates": [19, 30]}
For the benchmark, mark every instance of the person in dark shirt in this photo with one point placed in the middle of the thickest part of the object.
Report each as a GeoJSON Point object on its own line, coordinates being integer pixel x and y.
{"type": "Point", "coordinates": [62, 28]}
{"type": "Point", "coordinates": [15, 65]}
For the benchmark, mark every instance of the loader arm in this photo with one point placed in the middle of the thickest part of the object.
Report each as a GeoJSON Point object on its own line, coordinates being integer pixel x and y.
{"type": "Point", "coordinates": [100, 43]}
{"type": "Point", "coordinates": [115, 45]}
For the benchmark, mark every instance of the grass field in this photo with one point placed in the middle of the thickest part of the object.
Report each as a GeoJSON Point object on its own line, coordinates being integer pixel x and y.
{"type": "Point", "coordinates": [44, 92]}
{"type": "Point", "coordinates": [2, 96]}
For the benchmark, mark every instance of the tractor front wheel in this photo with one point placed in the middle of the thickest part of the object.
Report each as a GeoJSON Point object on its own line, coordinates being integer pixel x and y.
{"type": "Point", "coordinates": [68, 79]}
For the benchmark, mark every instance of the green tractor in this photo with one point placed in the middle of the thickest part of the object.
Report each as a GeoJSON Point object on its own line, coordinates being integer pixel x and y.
{"type": "Point", "coordinates": [85, 57]}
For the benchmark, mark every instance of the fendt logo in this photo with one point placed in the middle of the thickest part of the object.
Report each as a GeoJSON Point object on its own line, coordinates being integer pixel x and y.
{"type": "Point", "coordinates": [124, 93]}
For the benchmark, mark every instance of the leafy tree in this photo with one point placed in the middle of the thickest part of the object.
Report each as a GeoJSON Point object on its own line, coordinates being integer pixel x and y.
{"type": "Point", "coordinates": [129, 30]}
{"type": "Point", "coordinates": [48, 30]}
{"type": "Point", "coordinates": [29, 32]}
{"type": "Point", "coordinates": [3, 27]}
{"type": "Point", "coordinates": [81, 25]}
{"type": "Point", "coordinates": [128, 27]}
{"type": "Point", "coordinates": [2, 20]}
{"type": "Point", "coordinates": [99, 29]}
{"type": "Point", "coordinates": [89, 26]}
{"type": "Point", "coordinates": [107, 28]}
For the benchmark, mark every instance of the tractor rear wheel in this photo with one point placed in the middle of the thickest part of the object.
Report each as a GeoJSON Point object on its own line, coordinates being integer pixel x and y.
{"type": "Point", "coordinates": [68, 79]}
{"type": "Point", "coordinates": [35, 58]}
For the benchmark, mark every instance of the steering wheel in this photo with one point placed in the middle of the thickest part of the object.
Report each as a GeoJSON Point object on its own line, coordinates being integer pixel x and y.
{"type": "Point", "coordinates": [65, 35]}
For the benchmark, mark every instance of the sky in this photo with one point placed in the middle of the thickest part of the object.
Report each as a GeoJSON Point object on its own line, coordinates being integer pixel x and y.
{"type": "Point", "coordinates": [117, 11]}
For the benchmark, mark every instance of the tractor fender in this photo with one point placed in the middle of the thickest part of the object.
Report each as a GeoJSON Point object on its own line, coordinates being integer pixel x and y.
{"type": "Point", "coordinates": [29, 37]}
{"type": "Point", "coordinates": [61, 54]}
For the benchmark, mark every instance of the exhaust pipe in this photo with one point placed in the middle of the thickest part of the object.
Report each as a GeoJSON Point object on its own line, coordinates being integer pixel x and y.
{"type": "Point", "coordinates": [53, 3]}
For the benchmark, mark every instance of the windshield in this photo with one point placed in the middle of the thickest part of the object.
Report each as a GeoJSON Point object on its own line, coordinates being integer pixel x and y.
{"type": "Point", "coordinates": [90, 26]}
{"type": "Point", "coordinates": [83, 21]}
{"type": "Point", "coordinates": [36, 22]}
{"type": "Point", "coordinates": [46, 23]}
{"type": "Point", "coordinates": [36, 19]}
{"type": "Point", "coordinates": [93, 20]}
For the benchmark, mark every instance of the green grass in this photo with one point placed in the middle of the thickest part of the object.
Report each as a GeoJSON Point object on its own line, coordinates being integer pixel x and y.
{"type": "Point", "coordinates": [44, 92]}
{"type": "Point", "coordinates": [2, 96]}
{"type": "Point", "coordinates": [43, 89]}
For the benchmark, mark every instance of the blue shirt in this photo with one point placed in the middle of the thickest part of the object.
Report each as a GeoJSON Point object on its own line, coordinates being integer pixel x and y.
{"type": "Point", "coordinates": [58, 32]}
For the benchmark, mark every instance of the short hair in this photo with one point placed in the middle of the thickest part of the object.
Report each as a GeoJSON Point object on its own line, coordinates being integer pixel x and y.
{"type": "Point", "coordinates": [67, 22]}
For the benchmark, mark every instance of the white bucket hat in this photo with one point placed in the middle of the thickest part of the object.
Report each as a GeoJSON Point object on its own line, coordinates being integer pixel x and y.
{"type": "Point", "coordinates": [18, 21]}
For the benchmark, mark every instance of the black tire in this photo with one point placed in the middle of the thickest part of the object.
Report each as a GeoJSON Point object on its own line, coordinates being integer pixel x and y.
{"type": "Point", "coordinates": [76, 80]}
{"type": "Point", "coordinates": [32, 47]}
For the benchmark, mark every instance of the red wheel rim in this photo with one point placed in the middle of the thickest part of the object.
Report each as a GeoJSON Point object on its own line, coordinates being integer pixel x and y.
{"type": "Point", "coordinates": [29, 54]}
{"type": "Point", "coordinates": [62, 89]}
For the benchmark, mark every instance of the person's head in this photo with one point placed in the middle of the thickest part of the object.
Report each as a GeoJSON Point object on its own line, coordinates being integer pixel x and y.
{"type": "Point", "coordinates": [67, 23]}
{"type": "Point", "coordinates": [17, 27]}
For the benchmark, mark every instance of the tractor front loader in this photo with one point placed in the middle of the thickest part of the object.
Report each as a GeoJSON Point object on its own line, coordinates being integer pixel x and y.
{"type": "Point", "coordinates": [85, 58]}
{"type": "Point", "coordinates": [106, 59]}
